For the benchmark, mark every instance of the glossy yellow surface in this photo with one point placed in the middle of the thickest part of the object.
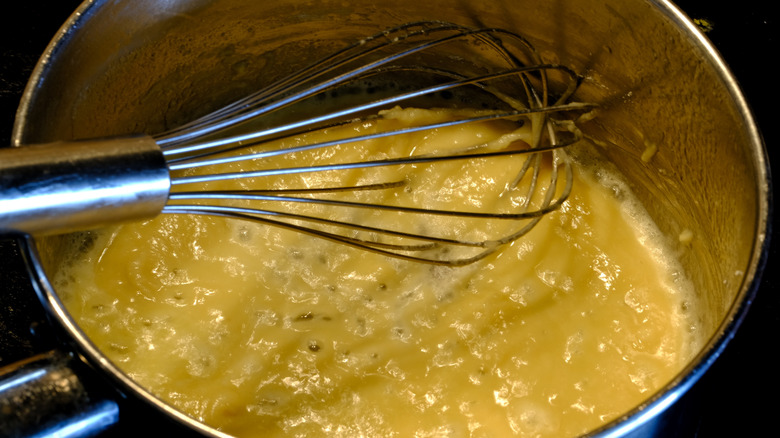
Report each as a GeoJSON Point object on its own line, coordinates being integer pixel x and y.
{"type": "Point", "coordinates": [266, 332]}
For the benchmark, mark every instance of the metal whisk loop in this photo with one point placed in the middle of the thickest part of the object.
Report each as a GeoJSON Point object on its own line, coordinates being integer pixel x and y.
{"type": "Point", "coordinates": [190, 162]}
{"type": "Point", "coordinates": [512, 77]}
{"type": "Point", "coordinates": [328, 74]}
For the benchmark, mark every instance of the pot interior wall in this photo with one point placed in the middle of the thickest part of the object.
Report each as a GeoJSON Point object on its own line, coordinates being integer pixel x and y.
{"type": "Point", "coordinates": [145, 66]}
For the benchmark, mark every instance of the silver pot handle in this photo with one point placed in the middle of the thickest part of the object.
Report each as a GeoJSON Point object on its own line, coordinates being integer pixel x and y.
{"type": "Point", "coordinates": [43, 397]}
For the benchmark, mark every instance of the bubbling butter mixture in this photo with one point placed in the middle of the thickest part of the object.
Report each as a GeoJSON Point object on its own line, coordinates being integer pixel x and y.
{"type": "Point", "coordinates": [265, 332]}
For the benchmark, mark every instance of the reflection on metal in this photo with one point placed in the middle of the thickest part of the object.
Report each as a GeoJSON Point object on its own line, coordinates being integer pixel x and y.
{"type": "Point", "coordinates": [43, 397]}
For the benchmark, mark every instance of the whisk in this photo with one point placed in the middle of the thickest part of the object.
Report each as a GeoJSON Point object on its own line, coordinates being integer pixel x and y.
{"type": "Point", "coordinates": [80, 185]}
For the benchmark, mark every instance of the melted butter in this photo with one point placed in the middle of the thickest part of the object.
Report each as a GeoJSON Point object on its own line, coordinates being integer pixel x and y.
{"type": "Point", "coordinates": [264, 332]}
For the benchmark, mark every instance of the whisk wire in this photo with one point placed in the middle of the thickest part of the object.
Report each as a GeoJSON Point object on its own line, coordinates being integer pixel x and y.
{"type": "Point", "coordinates": [195, 162]}
{"type": "Point", "coordinates": [246, 139]}
{"type": "Point", "coordinates": [232, 115]}
{"type": "Point", "coordinates": [193, 149]}
{"type": "Point", "coordinates": [248, 108]}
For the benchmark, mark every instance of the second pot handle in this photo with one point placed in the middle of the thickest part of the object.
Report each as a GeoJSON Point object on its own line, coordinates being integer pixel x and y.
{"type": "Point", "coordinates": [43, 396]}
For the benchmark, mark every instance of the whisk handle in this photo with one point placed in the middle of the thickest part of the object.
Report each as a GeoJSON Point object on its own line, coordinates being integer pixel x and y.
{"type": "Point", "coordinates": [68, 186]}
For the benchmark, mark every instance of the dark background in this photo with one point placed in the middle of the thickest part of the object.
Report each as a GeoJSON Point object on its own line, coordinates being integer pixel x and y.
{"type": "Point", "coordinates": [737, 397]}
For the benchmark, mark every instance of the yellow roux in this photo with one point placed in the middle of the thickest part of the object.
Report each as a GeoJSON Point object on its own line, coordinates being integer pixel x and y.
{"type": "Point", "coordinates": [264, 332]}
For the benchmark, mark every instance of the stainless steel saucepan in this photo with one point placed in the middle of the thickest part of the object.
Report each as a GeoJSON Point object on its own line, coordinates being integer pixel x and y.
{"type": "Point", "coordinates": [126, 66]}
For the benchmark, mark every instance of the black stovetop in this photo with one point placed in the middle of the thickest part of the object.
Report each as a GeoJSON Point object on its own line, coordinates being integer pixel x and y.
{"type": "Point", "coordinates": [737, 397]}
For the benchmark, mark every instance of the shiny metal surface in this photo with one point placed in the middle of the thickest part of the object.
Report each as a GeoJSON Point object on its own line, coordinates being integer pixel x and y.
{"type": "Point", "coordinates": [72, 186]}
{"type": "Point", "coordinates": [44, 397]}
{"type": "Point", "coordinates": [659, 82]}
